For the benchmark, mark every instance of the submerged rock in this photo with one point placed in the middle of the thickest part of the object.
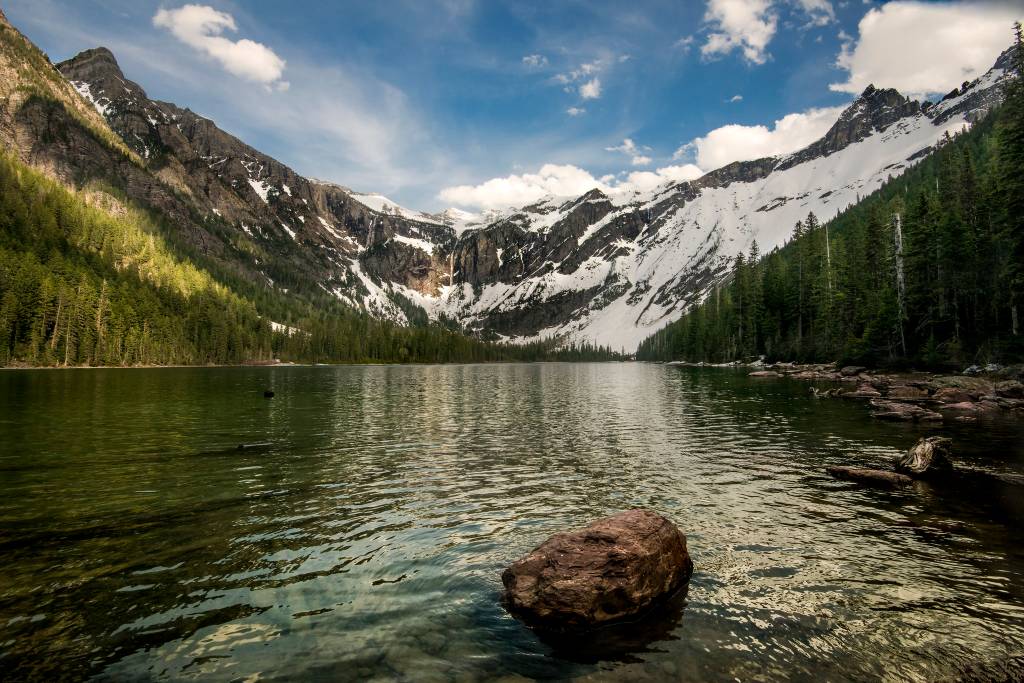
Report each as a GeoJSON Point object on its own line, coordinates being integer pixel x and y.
{"type": "Point", "coordinates": [965, 406]}
{"type": "Point", "coordinates": [951, 395]}
{"type": "Point", "coordinates": [863, 391]}
{"type": "Point", "coordinates": [906, 393]}
{"type": "Point", "coordinates": [616, 568]}
{"type": "Point", "coordinates": [1010, 389]}
{"type": "Point", "coordinates": [891, 410]}
{"type": "Point", "coordinates": [763, 373]}
{"type": "Point", "coordinates": [870, 476]}
{"type": "Point", "coordinates": [929, 457]}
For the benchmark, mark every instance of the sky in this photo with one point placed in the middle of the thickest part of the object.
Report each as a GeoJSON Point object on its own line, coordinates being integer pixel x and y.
{"type": "Point", "coordinates": [485, 104]}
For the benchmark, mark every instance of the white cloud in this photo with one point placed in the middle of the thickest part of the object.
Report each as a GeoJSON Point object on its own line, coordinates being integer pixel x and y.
{"type": "Point", "coordinates": [559, 181]}
{"type": "Point", "coordinates": [591, 90]}
{"type": "Point", "coordinates": [736, 98]}
{"type": "Point", "coordinates": [520, 190]}
{"type": "Point", "coordinates": [575, 111]}
{"type": "Point", "coordinates": [821, 12]}
{"type": "Point", "coordinates": [741, 143]}
{"type": "Point", "coordinates": [629, 148]}
{"type": "Point", "coordinates": [684, 43]}
{"type": "Point", "coordinates": [584, 79]}
{"type": "Point", "coordinates": [681, 173]}
{"type": "Point", "coordinates": [746, 25]}
{"type": "Point", "coordinates": [925, 48]}
{"type": "Point", "coordinates": [201, 26]}
{"type": "Point", "coordinates": [535, 61]}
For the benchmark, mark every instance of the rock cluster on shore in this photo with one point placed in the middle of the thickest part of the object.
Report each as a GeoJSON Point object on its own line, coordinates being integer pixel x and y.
{"type": "Point", "coordinates": [912, 397]}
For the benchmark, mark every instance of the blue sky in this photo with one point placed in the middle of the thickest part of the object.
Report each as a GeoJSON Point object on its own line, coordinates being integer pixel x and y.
{"type": "Point", "coordinates": [486, 102]}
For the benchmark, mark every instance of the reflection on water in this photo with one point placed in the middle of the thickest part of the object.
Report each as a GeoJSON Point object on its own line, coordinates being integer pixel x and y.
{"type": "Point", "coordinates": [366, 537]}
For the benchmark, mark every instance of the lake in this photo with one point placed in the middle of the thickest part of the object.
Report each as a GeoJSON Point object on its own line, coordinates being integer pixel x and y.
{"type": "Point", "coordinates": [365, 537]}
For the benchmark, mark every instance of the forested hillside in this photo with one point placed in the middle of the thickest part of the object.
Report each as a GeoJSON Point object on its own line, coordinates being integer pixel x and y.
{"type": "Point", "coordinates": [928, 270]}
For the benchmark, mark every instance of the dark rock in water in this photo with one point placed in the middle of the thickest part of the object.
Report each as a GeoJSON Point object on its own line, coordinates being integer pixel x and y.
{"type": "Point", "coordinates": [966, 406]}
{"type": "Point", "coordinates": [906, 393]}
{"type": "Point", "coordinates": [863, 391]}
{"type": "Point", "coordinates": [869, 476]}
{"type": "Point", "coordinates": [929, 457]}
{"type": "Point", "coordinates": [851, 370]}
{"type": "Point", "coordinates": [891, 410]}
{"type": "Point", "coordinates": [268, 394]}
{"type": "Point", "coordinates": [1010, 390]}
{"type": "Point", "coordinates": [254, 446]}
{"type": "Point", "coordinates": [614, 569]}
{"type": "Point", "coordinates": [951, 395]}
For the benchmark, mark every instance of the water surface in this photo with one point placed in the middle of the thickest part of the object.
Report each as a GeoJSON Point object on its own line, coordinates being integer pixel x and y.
{"type": "Point", "coordinates": [366, 537]}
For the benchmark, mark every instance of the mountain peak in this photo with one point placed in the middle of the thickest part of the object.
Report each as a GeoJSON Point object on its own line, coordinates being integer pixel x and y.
{"type": "Point", "coordinates": [97, 58]}
{"type": "Point", "coordinates": [875, 110]}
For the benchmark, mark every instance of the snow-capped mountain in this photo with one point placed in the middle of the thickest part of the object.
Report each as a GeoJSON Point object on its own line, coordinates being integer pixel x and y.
{"type": "Point", "coordinates": [613, 269]}
{"type": "Point", "coordinates": [606, 269]}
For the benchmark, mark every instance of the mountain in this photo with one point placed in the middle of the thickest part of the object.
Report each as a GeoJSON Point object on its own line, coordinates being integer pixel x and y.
{"type": "Point", "coordinates": [923, 273]}
{"type": "Point", "coordinates": [142, 247]}
{"type": "Point", "coordinates": [602, 268]}
{"type": "Point", "coordinates": [616, 268]}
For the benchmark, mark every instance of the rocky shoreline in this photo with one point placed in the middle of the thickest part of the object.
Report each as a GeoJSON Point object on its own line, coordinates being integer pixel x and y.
{"type": "Point", "coordinates": [907, 396]}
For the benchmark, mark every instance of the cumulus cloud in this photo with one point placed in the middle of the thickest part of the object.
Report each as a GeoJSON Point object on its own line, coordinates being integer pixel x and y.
{"type": "Point", "coordinates": [519, 190]}
{"type": "Point", "coordinates": [742, 143]}
{"type": "Point", "coordinates": [642, 181]}
{"type": "Point", "coordinates": [535, 61]}
{"type": "Point", "coordinates": [924, 48]}
{"type": "Point", "coordinates": [584, 78]}
{"type": "Point", "coordinates": [820, 12]}
{"type": "Point", "coordinates": [745, 25]}
{"type": "Point", "coordinates": [575, 111]}
{"type": "Point", "coordinates": [684, 44]}
{"type": "Point", "coordinates": [559, 181]}
{"type": "Point", "coordinates": [591, 90]}
{"type": "Point", "coordinates": [201, 26]}
{"type": "Point", "coordinates": [629, 148]}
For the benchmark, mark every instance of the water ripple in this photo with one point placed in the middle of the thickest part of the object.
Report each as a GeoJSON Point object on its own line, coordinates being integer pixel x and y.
{"type": "Point", "coordinates": [366, 539]}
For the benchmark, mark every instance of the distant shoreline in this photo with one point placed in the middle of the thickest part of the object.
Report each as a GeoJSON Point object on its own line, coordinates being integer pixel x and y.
{"type": "Point", "coordinates": [294, 365]}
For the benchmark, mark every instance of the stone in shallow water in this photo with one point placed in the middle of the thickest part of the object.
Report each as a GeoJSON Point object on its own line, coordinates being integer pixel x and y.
{"type": "Point", "coordinates": [869, 476]}
{"type": "Point", "coordinates": [893, 410]}
{"type": "Point", "coordinates": [928, 457]}
{"type": "Point", "coordinates": [615, 568]}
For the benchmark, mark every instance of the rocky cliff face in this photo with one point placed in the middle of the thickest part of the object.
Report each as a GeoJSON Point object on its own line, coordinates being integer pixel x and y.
{"type": "Point", "coordinates": [298, 233]}
{"type": "Point", "coordinates": [607, 269]}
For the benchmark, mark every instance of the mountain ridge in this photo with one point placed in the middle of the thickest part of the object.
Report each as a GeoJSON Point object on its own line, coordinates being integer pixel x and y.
{"type": "Point", "coordinates": [605, 268]}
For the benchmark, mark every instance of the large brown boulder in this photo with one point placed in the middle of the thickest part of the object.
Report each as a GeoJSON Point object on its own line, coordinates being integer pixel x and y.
{"type": "Point", "coordinates": [614, 569]}
{"type": "Point", "coordinates": [929, 457]}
